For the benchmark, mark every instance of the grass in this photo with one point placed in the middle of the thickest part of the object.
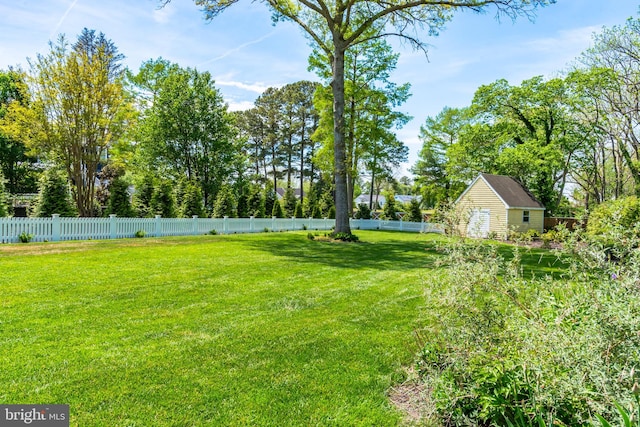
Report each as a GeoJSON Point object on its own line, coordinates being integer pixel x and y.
{"type": "Point", "coordinates": [268, 329]}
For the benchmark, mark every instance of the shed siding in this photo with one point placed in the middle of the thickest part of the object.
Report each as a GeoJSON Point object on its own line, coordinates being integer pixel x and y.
{"type": "Point", "coordinates": [481, 196]}
{"type": "Point", "coordinates": [536, 220]}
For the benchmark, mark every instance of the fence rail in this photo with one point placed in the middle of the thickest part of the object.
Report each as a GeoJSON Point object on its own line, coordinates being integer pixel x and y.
{"type": "Point", "coordinates": [59, 229]}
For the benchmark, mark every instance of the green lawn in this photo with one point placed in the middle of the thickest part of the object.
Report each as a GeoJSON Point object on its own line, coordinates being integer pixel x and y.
{"type": "Point", "coordinates": [268, 329]}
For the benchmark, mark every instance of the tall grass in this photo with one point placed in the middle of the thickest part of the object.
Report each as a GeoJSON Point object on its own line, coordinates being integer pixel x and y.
{"type": "Point", "coordinates": [506, 348]}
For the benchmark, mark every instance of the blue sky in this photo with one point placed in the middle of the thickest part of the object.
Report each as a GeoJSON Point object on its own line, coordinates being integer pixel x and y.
{"type": "Point", "coordinates": [247, 54]}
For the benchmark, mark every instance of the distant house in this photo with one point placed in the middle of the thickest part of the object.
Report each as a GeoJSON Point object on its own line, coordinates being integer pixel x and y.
{"type": "Point", "coordinates": [498, 204]}
{"type": "Point", "coordinates": [280, 192]}
{"type": "Point", "coordinates": [382, 200]}
{"type": "Point", "coordinates": [363, 199]}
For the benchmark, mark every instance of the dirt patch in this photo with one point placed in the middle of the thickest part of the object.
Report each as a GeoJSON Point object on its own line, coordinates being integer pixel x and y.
{"type": "Point", "coordinates": [44, 248]}
{"type": "Point", "coordinates": [412, 398]}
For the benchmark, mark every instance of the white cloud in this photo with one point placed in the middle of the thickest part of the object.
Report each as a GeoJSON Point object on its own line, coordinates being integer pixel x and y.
{"type": "Point", "coordinates": [257, 87]}
{"type": "Point", "coordinates": [240, 106]}
{"type": "Point", "coordinates": [574, 40]}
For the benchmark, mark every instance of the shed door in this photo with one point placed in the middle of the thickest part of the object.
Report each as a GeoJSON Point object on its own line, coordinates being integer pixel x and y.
{"type": "Point", "coordinates": [479, 223]}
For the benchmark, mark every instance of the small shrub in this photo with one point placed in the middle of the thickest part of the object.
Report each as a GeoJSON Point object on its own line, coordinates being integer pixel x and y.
{"type": "Point", "coordinates": [266, 229]}
{"type": "Point", "coordinates": [304, 226]}
{"type": "Point", "coordinates": [533, 234]}
{"type": "Point", "coordinates": [25, 237]}
{"type": "Point", "coordinates": [345, 237]}
{"type": "Point", "coordinates": [620, 213]}
{"type": "Point", "coordinates": [310, 236]}
{"type": "Point", "coordinates": [213, 232]}
{"type": "Point", "coordinates": [547, 238]}
{"type": "Point", "coordinates": [140, 234]}
{"type": "Point", "coordinates": [515, 236]}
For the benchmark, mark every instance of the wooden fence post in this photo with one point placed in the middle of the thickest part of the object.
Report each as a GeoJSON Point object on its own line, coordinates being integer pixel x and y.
{"type": "Point", "coordinates": [112, 226]}
{"type": "Point", "coordinates": [158, 226]}
{"type": "Point", "coordinates": [55, 228]}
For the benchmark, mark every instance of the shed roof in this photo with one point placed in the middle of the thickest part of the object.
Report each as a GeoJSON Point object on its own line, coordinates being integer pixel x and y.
{"type": "Point", "coordinates": [511, 191]}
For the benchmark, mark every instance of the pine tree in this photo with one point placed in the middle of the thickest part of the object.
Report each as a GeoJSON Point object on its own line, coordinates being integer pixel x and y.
{"type": "Point", "coordinates": [298, 211]}
{"type": "Point", "coordinates": [277, 210]}
{"type": "Point", "coordinates": [289, 202]}
{"type": "Point", "coordinates": [54, 196]}
{"type": "Point", "coordinates": [255, 202]}
{"type": "Point", "coordinates": [243, 205]}
{"type": "Point", "coordinates": [390, 208]}
{"type": "Point", "coordinates": [269, 198]}
{"type": "Point", "coordinates": [225, 204]}
{"type": "Point", "coordinates": [326, 203]}
{"type": "Point", "coordinates": [414, 213]}
{"type": "Point", "coordinates": [192, 201]}
{"type": "Point", "coordinates": [142, 197]}
{"type": "Point", "coordinates": [119, 202]}
{"type": "Point", "coordinates": [163, 201]}
{"type": "Point", "coordinates": [317, 212]}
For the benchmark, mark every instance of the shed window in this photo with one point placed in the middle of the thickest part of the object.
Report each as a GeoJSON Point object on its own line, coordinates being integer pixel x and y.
{"type": "Point", "coordinates": [525, 216]}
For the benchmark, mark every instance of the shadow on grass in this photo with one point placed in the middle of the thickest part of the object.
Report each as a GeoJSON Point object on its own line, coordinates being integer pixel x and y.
{"type": "Point", "coordinates": [393, 252]}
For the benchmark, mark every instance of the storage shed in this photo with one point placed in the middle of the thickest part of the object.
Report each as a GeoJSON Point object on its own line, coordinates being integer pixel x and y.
{"type": "Point", "coordinates": [496, 204]}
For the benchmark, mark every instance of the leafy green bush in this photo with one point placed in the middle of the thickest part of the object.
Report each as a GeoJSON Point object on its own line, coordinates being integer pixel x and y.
{"type": "Point", "coordinates": [140, 234]}
{"type": "Point", "coordinates": [345, 237]}
{"type": "Point", "coordinates": [629, 419]}
{"type": "Point", "coordinates": [621, 213]}
{"type": "Point", "coordinates": [503, 349]}
{"type": "Point", "coordinates": [25, 237]}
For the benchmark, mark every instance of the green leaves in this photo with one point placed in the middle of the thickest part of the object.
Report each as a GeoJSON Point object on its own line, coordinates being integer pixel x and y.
{"type": "Point", "coordinates": [186, 131]}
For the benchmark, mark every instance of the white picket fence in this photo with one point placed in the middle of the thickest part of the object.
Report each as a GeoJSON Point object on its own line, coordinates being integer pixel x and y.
{"type": "Point", "coordinates": [57, 229]}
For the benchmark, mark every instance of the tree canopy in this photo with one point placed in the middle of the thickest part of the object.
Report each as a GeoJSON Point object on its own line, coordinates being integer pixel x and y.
{"type": "Point", "coordinates": [336, 26]}
{"type": "Point", "coordinates": [186, 131]}
{"type": "Point", "coordinates": [77, 111]}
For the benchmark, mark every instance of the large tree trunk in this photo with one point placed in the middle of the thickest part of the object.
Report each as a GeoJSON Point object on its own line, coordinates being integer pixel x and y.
{"type": "Point", "coordinates": [302, 136]}
{"type": "Point", "coordinates": [339, 159]}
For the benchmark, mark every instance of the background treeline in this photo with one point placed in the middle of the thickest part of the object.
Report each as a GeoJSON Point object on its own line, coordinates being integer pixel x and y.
{"type": "Point", "coordinates": [575, 135]}
{"type": "Point", "coordinates": [95, 138]}
{"type": "Point", "coordinates": [164, 134]}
